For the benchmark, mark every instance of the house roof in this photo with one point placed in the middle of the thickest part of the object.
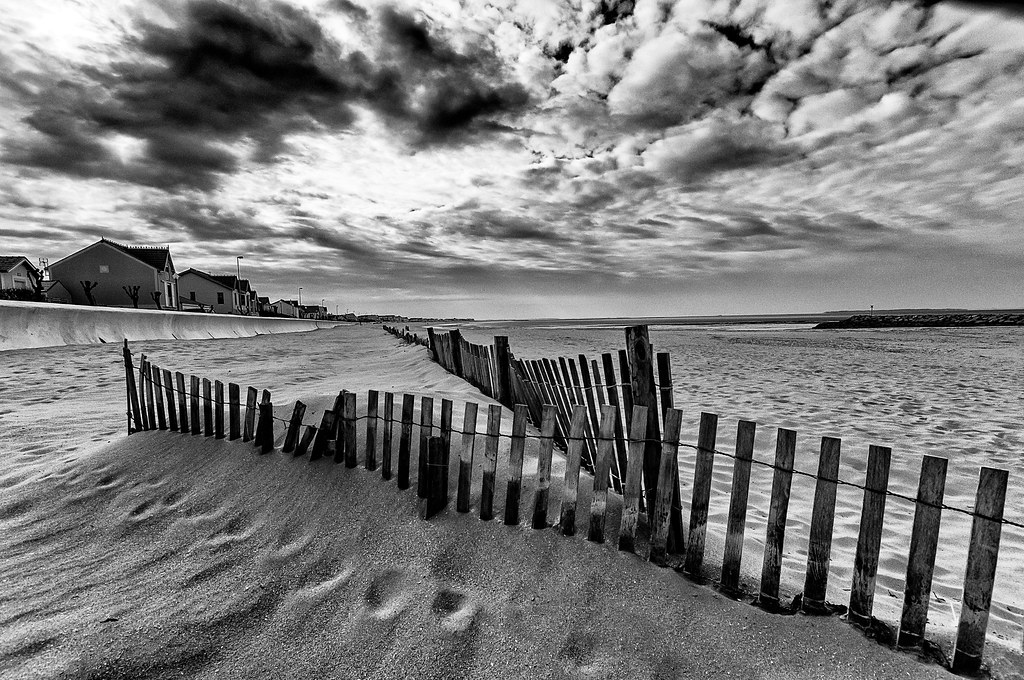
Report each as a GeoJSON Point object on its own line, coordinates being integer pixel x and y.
{"type": "Point", "coordinates": [218, 280]}
{"type": "Point", "coordinates": [9, 262]}
{"type": "Point", "coordinates": [156, 257]}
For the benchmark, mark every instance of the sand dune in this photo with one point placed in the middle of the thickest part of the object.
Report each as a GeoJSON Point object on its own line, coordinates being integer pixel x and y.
{"type": "Point", "coordinates": [36, 324]}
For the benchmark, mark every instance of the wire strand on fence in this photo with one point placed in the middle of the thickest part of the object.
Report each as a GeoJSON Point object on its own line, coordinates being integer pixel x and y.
{"type": "Point", "coordinates": [726, 454]}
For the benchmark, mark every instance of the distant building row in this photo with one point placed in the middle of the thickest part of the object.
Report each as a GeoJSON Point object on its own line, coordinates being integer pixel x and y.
{"type": "Point", "coordinates": [110, 274]}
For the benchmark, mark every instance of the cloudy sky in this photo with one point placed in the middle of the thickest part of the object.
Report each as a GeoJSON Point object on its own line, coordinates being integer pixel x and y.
{"type": "Point", "coordinates": [517, 158]}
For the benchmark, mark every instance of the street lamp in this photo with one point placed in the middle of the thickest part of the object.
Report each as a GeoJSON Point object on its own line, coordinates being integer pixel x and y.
{"type": "Point", "coordinates": [238, 283]}
{"type": "Point", "coordinates": [323, 310]}
{"type": "Point", "coordinates": [299, 311]}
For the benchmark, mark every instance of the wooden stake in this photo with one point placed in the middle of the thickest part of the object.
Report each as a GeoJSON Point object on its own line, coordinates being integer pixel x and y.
{"type": "Point", "coordinates": [426, 432]}
{"type": "Point", "coordinates": [455, 338]}
{"type": "Point", "coordinates": [466, 458]}
{"type": "Point", "coordinates": [631, 491]}
{"type": "Point", "coordinates": [869, 540]}
{"type": "Point", "coordinates": [218, 409]}
{"type": "Point", "coordinates": [348, 427]}
{"type": "Point", "coordinates": [323, 435]}
{"type": "Point", "coordinates": [307, 438]}
{"type": "Point", "coordinates": [986, 530]}
{"type": "Point", "coordinates": [703, 472]}
{"type": "Point", "coordinates": [588, 396]}
{"type": "Point", "coordinates": [143, 410]}
{"type": "Point", "coordinates": [662, 500]}
{"type": "Point", "coordinates": [547, 443]}
{"type": "Point", "coordinates": [515, 465]}
{"type": "Point", "coordinates": [612, 391]}
{"type": "Point", "coordinates": [207, 407]}
{"type": "Point", "coordinates": [150, 405]}
{"type": "Point", "coordinates": [372, 398]}
{"type": "Point", "coordinates": [234, 412]}
{"type": "Point", "coordinates": [405, 440]}
{"type": "Point", "coordinates": [134, 411]}
{"type": "Point", "coordinates": [605, 453]}
{"type": "Point", "coordinates": [265, 428]}
{"type": "Point", "coordinates": [250, 414]}
{"type": "Point", "coordinates": [733, 555]}
{"type": "Point", "coordinates": [490, 462]}
{"type": "Point", "coordinates": [158, 387]}
{"type": "Point", "coordinates": [574, 457]}
{"type": "Point", "coordinates": [446, 435]}
{"type": "Point", "coordinates": [819, 549]}
{"type": "Point", "coordinates": [291, 439]}
{"type": "Point", "coordinates": [571, 380]}
{"type": "Point", "coordinates": [197, 423]}
{"type": "Point", "coordinates": [665, 381]}
{"type": "Point", "coordinates": [389, 423]}
{"type": "Point", "coordinates": [179, 382]}
{"type": "Point", "coordinates": [435, 500]}
{"type": "Point", "coordinates": [924, 541]}
{"type": "Point", "coordinates": [503, 378]}
{"type": "Point", "coordinates": [771, 567]}
{"type": "Point", "coordinates": [172, 414]}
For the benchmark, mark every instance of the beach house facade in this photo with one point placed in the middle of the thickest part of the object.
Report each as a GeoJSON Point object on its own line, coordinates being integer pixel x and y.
{"type": "Point", "coordinates": [107, 273]}
{"type": "Point", "coordinates": [286, 308]}
{"type": "Point", "coordinates": [18, 273]}
{"type": "Point", "coordinates": [220, 294]}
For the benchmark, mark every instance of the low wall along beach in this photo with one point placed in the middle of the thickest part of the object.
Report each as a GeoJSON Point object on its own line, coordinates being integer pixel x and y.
{"type": "Point", "coordinates": [34, 324]}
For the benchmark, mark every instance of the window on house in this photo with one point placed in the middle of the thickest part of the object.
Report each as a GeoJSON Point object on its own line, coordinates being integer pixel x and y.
{"type": "Point", "coordinates": [220, 298]}
{"type": "Point", "coordinates": [104, 269]}
{"type": "Point", "coordinates": [192, 295]}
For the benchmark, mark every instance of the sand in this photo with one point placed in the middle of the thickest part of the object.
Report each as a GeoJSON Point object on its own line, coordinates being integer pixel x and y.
{"type": "Point", "coordinates": [165, 555]}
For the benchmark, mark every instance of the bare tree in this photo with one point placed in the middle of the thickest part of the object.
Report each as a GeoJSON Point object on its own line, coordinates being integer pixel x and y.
{"type": "Point", "coordinates": [156, 298]}
{"type": "Point", "coordinates": [88, 286]}
{"type": "Point", "coordinates": [133, 293]}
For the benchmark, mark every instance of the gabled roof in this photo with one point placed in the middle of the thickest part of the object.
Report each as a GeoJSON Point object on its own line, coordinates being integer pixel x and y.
{"type": "Point", "coordinates": [9, 262]}
{"type": "Point", "coordinates": [156, 257]}
{"type": "Point", "coordinates": [217, 280]}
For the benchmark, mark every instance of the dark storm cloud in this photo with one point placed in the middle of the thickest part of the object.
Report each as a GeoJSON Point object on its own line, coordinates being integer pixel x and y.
{"type": "Point", "coordinates": [350, 8]}
{"type": "Point", "coordinates": [225, 73]}
{"type": "Point", "coordinates": [203, 221]}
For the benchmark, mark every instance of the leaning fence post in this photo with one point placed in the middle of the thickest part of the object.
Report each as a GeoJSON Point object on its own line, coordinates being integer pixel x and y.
{"type": "Point", "coordinates": [602, 469]}
{"type": "Point", "coordinates": [515, 465]}
{"type": "Point", "coordinates": [435, 499]}
{"type": "Point", "coordinates": [501, 366]}
{"type": "Point", "coordinates": [490, 461]}
{"type": "Point", "coordinates": [869, 540]}
{"type": "Point", "coordinates": [426, 431]}
{"type": "Point", "coordinates": [662, 500]}
{"type": "Point", "coordinates": [631, 490]}
{"type": "Point", "coordinates": [207, 407]}
{"type": "Point", "coordinates": [547, 443]}
{"type": "Point", "coordinates": [979, 579]}
{"type": "Point", "coordinates": [234, 415]}
{"type": "Point", "coordinates": [372, 397]}
{"type": "Point", "coordinates": [197, 424]}
{"type": "Point", "coordinates": [573, 458]}
{"type": "Point", "coordinates": [291, 439]}
{"type": "Point", "coordinates": [250, 414]}
{"type": "Point", "coordinates": [158, 388]}
{"type": "Point", "coordinates": [265, 428]}
{"type": "Point", "coordinates": [733, 555]}
{"type": "Point", "coordinates": [218, 409]}
{"type": "Point", "coordinates": [446, 435]}
{"type": "Point", "coordinates": [179, 383]}
{"type": "Point", "coordinates": [172, 415]}
{"type": "Point", "coordinates": [323, 435]}
{"type": "Point", "coordinates": [924, 541]}
{"type": "Point", "coordinates": [466, 458]}
{"type": "Point", "coordinates": [133, 395]}
{"type": "Point", "coordinates": [823, 515]}
{"type": "Point", "coordinates": [150, 406]}
{"type": "Point", "coordinates": [386, 443]}
{"type": "Point", "coordinates": [307, 438]}
{"type": "Point", "coordinates": [455, 337]}
{"type": "Point", "coordinates": [405, 440]}
{"type": "Point", "coordinates": [771, 567]}
{"type": "Point", "coordinates": [701, 496]}
{"type": "Point", "coordinates": [348, 427]}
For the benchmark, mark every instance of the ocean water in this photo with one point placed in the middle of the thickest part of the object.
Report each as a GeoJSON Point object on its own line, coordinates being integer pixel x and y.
{"type": "Point", "coordinates": [954, 393]}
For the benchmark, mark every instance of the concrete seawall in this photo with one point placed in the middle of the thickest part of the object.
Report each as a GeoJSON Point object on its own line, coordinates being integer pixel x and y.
{"type": "Point", "coordinates": [34, 324]}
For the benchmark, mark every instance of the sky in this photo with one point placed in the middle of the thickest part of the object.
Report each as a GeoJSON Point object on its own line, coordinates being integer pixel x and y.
{"type": "Point", "coordinates": [529, 158]}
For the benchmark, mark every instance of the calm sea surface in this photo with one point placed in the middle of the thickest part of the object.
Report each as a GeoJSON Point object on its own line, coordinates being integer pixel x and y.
{"type": "Point", "coordinates": [950, 392]}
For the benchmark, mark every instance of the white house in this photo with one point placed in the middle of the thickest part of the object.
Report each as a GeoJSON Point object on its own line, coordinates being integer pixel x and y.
{"type": "Point", "coordinates": [18, 273]}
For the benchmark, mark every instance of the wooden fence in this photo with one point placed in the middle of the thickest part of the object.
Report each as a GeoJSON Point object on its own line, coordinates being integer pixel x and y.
{"type": "Point", "coordinates": [157, 400]}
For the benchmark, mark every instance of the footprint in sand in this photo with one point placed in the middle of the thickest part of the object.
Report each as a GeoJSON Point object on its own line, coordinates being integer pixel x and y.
{"type": "Point", "coordinates": [387, 595]}
{"type": "Point", "coordinates": [455, 610]}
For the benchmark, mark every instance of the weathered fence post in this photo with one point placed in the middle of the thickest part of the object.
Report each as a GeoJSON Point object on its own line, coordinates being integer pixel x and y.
{"type": "Point", "coordinates": [602, 468]}
{"type": "Point", "coordinates": [662, 500]}
{"type": "Point", "coordinates": [218, 409]}
{"type": "Point", "coordinates": [466, 458]}
{"type": "Point", "coordinates": [250, 414]}
{"type": "Point", "coordinates": [291, 439]}
{"type": "Point", "coordinates": [979, 578]}
{"type": "Point", "coordinates": [455, 336]}
{"type": "Point", "coordinates": [348, 427]}
{"type": "Point", "coordinates": [234, 415]}
{"type": "Point", "coordinates": [158, 388]}
{"type": "Point", "coordinates": [502, 361]}
{"type": "Point", "coordinates": [490, 462]}
{"type": "Point", "coordinates": [771, 567]}
{"type": "Point", "coordinates": [702, 476]}
{"type": "Point", "coordinates": [432, 338]}
{"type": "Point", "coordinates": [435, 500]}
{"type": "Point", "coordinates": [819, 548]}
{"type": "Point", "coordinates": [631, 490]}
{"type": "Point", "coordinates": [307, 438]}
{"type": "Point", "coordinates": [179, 383]}
{"type": "Point", "coordinates": [134, 412]}
{"type": "Point", "coordinates": [197, 423]}
{"type": "Point", "coordinates": [612, 390]}
{"type": "Point", "coordinates": [172, 415]}
{"type": "Point", "coordinates": [372, 397]}
{"type": "Point", "coordinates": [265, 428]}
{"type": "Point", "coordinates": [150, 405]}
{"type": "Point", "coordinates": [446, 435]}
{"type": "Point", "coordinates": [547, 443]}
{"type": "Point", "coordinates": [573, 458]}
{"type": "Point", "coordinates": [207, 408]}
{"type": "Point", "coordinates": [323, 434]}
{"type": "Point", "coordinates": [515, 465]}
{"type": "Point", "coordinates": [386, 443]}
{"type": "Point", "coordinates": [733, 555]}
{"type": "Point", "coordinates": [869, 540]}
{"type": "Point", "coordinates": [924, 542]}
{"type": "Point", "coordinates": [426, 432]}
{"type": "Point", "coordinates": [405, 440]}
